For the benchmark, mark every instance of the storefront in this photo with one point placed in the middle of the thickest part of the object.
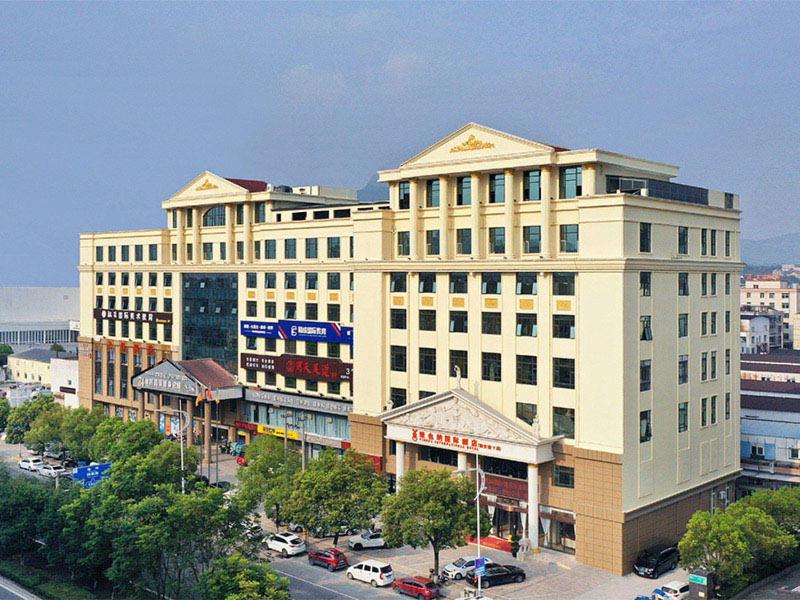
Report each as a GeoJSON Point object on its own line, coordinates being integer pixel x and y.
{"type": "Point", "coordinates": [457, 422]}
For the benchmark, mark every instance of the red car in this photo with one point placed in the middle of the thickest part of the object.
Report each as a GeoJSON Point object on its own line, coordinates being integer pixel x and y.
{"type": "Point", "coordinates": [420, 588]}
{"type": "Point", "coordinates": [332, 559]}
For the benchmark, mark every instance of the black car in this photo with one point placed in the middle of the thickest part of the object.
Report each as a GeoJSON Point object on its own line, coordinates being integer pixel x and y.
{"type": "Point", "coordinates": [657, 560]}
{"type": "Point", "coordinates": [497, 575]}
{"type": "Point", "coordinates": [223, 485]}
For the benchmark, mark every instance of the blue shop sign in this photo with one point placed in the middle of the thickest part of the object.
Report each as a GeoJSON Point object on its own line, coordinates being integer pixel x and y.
{"type": "Point", "coordinates": [303, 331]}
{"type": "Point", "coordinates": [91, 475]}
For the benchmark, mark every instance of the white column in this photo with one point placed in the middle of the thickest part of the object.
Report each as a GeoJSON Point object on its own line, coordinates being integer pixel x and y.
{"type": "Point", "coordinates": [533, 505]}
{"type": "Point", "coordinates": [445, 191]}
{"type": "Point", "coordinates": [462, 461]}
{"type": "Point", "coordinates": [400, 465]}
{"type": "Point", "coordinates": [475, 216]}
{"type": "Point", "coordinates": [508, 212]}
{"type": "Point", "coordinates": [547, 174]}
{"type": "Point", "coordinates": [416, 190]}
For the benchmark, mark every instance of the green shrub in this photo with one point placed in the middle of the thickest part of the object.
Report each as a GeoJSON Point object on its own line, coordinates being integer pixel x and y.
{"type": "Point", "coordinates": [63, 591]}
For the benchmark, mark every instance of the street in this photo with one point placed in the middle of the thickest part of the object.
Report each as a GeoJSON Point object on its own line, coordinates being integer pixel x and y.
{"type": "Point", "coordinates": [11, 591]}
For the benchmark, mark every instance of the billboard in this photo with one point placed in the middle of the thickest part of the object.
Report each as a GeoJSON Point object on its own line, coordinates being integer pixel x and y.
{"type": "Point", "coordinates": [315, 368]}
{"type": "Point", "coordinates": [142, 316]}
{"type": "Point", "coordinates": [303, 331]}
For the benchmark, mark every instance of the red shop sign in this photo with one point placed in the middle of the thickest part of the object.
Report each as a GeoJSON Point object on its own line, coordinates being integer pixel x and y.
{"type": "Point", "coordinates": [448, 440]}
{"type": "Point", "coordinates": [315, 368]}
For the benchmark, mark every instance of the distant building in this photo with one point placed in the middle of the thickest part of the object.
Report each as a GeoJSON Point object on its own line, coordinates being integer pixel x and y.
{"type": "Point", "coordinates": [772, 291]}
{"type": "Point", "coordinates": [64, 380]}
{"type": "Point", "coordinates": [773, 316]}
{"type": "Point", "coordinates": [33, 366]}
{"type": "Point", "coordinates": [38, 316]}
{"type": "Point", "coordinates": [754, 334]}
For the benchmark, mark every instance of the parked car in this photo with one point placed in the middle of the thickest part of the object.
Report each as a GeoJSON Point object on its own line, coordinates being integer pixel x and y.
{"type": "Point", "coordinates": [367, 539]}
{"type": "Point", "coordinates": [56, 453]}
{"type": "Point", "coordinates": [321, 533]}
{"type": "Point", "coordinates": [52, 471]}
{"type": "Point", "coordinates": [676, 590]}
{"type": "Point", "coordinates": [223, 485]}
{"type": "Point", "coordinates": [458, 568]}
{"type": "Point", "coordinates": [420, 588]}
{"type": "Point", "coordinates": [497, 575]}
{"type": "Point", "coordinates": [656, 560]}
{"type": "Point", "coordinates": [373, 572]}
{"type": "Point", "coordinates": [34, 463]}
{"type": "Point", "coordinates": [332, 559]}
{"type": "Point", "coordinates": [288, 544]}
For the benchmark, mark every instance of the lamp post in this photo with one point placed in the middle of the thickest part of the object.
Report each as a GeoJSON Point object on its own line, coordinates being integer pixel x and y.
{"type": "Point", "coordinates": [303, 420]}
{"type": "Point", "coordinates": [480, 486]}
{"type": "Point", "coordinates": [181, 431]}
{"type": "Point", "coordinates": [286, 414]}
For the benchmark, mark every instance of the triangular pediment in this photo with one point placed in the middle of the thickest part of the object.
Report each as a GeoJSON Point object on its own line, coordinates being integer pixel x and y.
{"type": "Point", "coordinates": [474, 141]}
{"type": "Point", "coordinates": [167, 377]}
{"type": "Point", "coordinates": [459, 412]}
{"type": "Point", "coordinates": [207, 185]}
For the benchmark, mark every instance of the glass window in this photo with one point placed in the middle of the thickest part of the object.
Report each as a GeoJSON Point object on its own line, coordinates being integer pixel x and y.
{"type": "Point", "coordinates": [432, 242]}
{"type": "Point", "coordinates": [270, 311]}
{"type": "Point", "coordinates": [334, 281]}
{"type": "Point", "coordinates": [398, 397]}
{"type": "Point", "coordinates": [312, 312]}
{"type": "Point", "coordinates": [464, 191]}
{"type": "Point", "coordinates": [703, 412]}
{"type": "Point", "coordinates": [563, 284]}
{"type": "Point", "coordinates": [683, 416]}
{"type": "Point", "coordinates": [646, 333]}
{"type": "Point", "coordinates": [432, 193]}
{"type": "Point", "coordinates": [683, 240]}
{"type": "Point", "coordinates": [403, 243]}
{"type": "Point", "coordinates": [571, 182]}
{"type": "Point", "coordinates": [713, 242]}
{"type": "Point", "coordinates": [683, 368]}
{"type": "Point", "coordinates": [531, 239]}
{"type": "Point", "coordinates": [497, 188]}
{"type": "Point", "coordinates": [490, 323]}
{"type": "Point", "coordinates": [397, 282]}
{"type": "Point", "coordinates": [334, 247]}
{"type": "Point", "coordinates": [261, 212]}
{"type": "Point", "coordinates": [458, 358]}
{"type": "Point", "coordinates": [270, 280]}
{"type": "Point", "coordinates": [563, 476]}
{"type": "Point", "coordinates": [214, 217]}
{"type": "Point", "coordinates": [458, 283]}
{"type": "Point", "coordinates": [644, 283]}
{"type": "Point", "coordinates": [704, 242]}
{"type": "Point", "coordinates": [568, 238]}
{"type": "Point", "coordinates": [223, 254]}
{"type": "Point", "coordinates": [208, 251]}
{"type": "Point", "coordinates": [683, 284]}
{"type": "Point", "coordinates": [564, 373]}
{"type": "Point", "coordinates": [427, 283]}
{"type": "Point", "coordinates": [311, 248]}
{"type": "Point", "coordinates": [427, 361]}
{"type": "Point", "coordinates": [645, 426]}
{"type": "Point", "coordinates": [497, 240]}
{"type": "Point", "coordinates": [527, 284]}
{"type": "Point", "coordinates": [138, 252]}
{"type": "Point", "coordinates": [290, 311]}
{"type": "Point", "coordinates": [290, 248]}
{"type": "Point", "coordinates": [427, 320]}
{"type": "Point", "coordinates": [312, 281]}
{"type": "Point", "coordinates": [645, 241]}
{"type": "Point", "coordinates": [125, 251]}
{"type": "Point", "coordinates": [564, 422]}
{"type": "Point", "coordinates": [334, 312]}
{"type": "Point", "coordinates": [526, 369]}
{"type": "Point", "coordinates": [526, 325]}
{"type": "Point", "coordinates": [397, 318]}
{"type": "Point", "coordinates": [490, 283]}
{"type": "Point", "coordinates": [531, 185]}
{"type": "Point", "coordinates": [728, 406]}
{"type": "Point", "coordinates": [269, 249]}
{"type": "Point", "coordinates": [526, 412]}
{"type": "Point", "coordinates": [645, 371]}
{"type": "Point", "coordinates": [252, 280]}
{"type": "Point", "coordinates": [290, 281]}
{"type": "Point", "coordinates": [397, 358]}
{"type": "Point", "coordinates": [458, 321]}
{"type": "Point", "coordinates": [727, 243]}
{"type": "Point", "coordinates": [463, 241]}
{"type": "Point", "coordinates": [98, 254]}
{"type": "Point", "coordinates": [112, 254]}
{"type": "Point", "coordinates": [564, 326]}
{"type": "Point", "coordinates": [404, 191]}
{"type": "Point", "coordinates": [490, 366]}
{"type": "Point", "coordinates": [252, 311]}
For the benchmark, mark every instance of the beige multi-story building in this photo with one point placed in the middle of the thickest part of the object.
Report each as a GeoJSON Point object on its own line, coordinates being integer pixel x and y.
{"type": "Point", "coordinates": [772, 292]}
{"type": "Point", "coordinates": [562, 317]}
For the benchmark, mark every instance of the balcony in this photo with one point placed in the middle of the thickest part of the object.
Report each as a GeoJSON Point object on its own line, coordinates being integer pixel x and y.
{"type": "Point", "coordinates": [656, 188]}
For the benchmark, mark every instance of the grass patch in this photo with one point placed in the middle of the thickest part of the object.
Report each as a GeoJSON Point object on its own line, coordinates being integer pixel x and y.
{"type": "Point", "coordinates": [46, 583]}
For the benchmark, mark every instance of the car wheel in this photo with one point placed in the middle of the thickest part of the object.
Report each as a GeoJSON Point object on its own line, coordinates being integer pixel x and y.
{"type": "Point", "coordinates": [486, 584]}
{"type": "Point", "coordinates": [674, 565]}
{"type": "Point", "coordinates": [519, 578]}
{"type": "Point", "coordinates": [459, 577]}
{"type": "Point", "coordinates": [374, 583]}
{"type": "Point", "coordinates": [284, 553]}
{"type": "Point", "coordinates": [350, 576]}
{"type": "Point", "coordinates": [358, 547]}
{"type": "Point", "coordinates": [330, 568]}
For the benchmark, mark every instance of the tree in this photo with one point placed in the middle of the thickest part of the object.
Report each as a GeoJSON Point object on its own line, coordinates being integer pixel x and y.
{"type": "Point", "coordinates": [20, 417]}
{"type": "Point", "coordinates": [5, 350]}
{"type": "Point", "coordinates": [432, 507]}
{"type": "Point", "coordinates": [5, 409]}
{"type": "Point", "coordinates": [771, 547]}
{"type": "Point", "coordinates": [78, 428]}
{"type": "Point", "coordinates": [335, 493]}
{"type": "Point", "coordinates": [782, 504]}
{"type": "Point", "coordinates": [21, 502]}
{"type": "Point", "coordinates": [269, 476]}
{"type": "Point", "coordinates": [116, 439]}
{"type": "Point", "coordinates": [235, 577]}
{"type": "Point", "coordinates": [45, 429]}
{"type": "Point", "coordinates": [57, 348]}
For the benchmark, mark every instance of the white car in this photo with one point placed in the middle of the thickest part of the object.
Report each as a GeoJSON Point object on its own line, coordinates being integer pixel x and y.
{"type": "Point", "coordinates": [676, 590]}
{"type": "Point", "coordinates": [52, 471]}
{"type": "Point", "coordinates": [288, 544]}
{"type": "Point", "coordinates": [373, 572]}
{"type": "Point", "coordinates": [459, 567]}
{"type": "Point", "coordinates": [33, 463]}
{"type": "Point", "coordinates": [367, 539]}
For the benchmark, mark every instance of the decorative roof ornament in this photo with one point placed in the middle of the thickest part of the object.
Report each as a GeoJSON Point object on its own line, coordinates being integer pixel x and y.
{"type": "Point", "coordinates": [206, 185]}
{"type": "Point", "coordinates": [472, 143]}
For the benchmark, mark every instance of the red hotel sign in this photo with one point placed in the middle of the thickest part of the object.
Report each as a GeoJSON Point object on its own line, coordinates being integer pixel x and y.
{"type": "Point", "coordinates": [316, 368]}
{"type": "Point", "coordinates": [456, 442]}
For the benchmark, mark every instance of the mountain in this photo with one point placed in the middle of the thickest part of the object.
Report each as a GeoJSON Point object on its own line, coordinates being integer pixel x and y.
{"type": "Point", "coordinates": [777, 250]}
{"type": "Point", "coordinates": [374, 191]}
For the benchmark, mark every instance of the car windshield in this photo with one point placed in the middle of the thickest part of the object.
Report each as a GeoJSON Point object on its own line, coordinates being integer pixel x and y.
{"type": "Point", "coordinates": [460, 562]}
{"type": "Point", "coordinates": [647, 559]}
{"type": "Point", "coordinates": [386, 569]}
{"type": "Point", "coordinates": [295, 541]}
{"type": "Point", "coordinates": [430, 585]}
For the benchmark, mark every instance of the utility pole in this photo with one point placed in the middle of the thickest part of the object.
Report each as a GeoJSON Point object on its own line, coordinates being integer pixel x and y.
{"type": "Point", "coordinates": [480, 486]}
{"type": "Point", "coordinates": [182, 426]}
{"type": "Point", "coordinates": [286, 414]}
{"type": "Point", "coordinates": [303, 420]}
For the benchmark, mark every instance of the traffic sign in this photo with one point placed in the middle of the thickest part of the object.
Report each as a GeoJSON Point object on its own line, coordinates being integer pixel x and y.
{"type": "Point", "coordinates": [92, 475]}
{"type": "Point", "coordinates": [698, 579]}
{"type": "Point", "coordinates": [480, 566]}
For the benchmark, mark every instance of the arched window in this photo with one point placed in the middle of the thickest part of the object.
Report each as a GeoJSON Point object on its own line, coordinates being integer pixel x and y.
{"type": "Point", "coordinates": [214, 217]}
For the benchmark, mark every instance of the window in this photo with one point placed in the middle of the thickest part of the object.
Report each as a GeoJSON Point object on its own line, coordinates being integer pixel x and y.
{"type": "Point", "coordinates": [526, 284]}
{"type": "Point", "coordinates": [704, 366]}
{"type": "Point", "coordinates": [98, 254]}
{"type": "Point", "coordinates": [564, 422]}
{"type": "Point", "coordinates": [261, 212]}
{"type": "Point", "coordinates": [531, 185]}
{"type": "Point", "coordinates": [432, 242]}
{"type": "Point", "coordinates": [458, 321]}
{"type": "Point", "coordinates": [683, 368]}
{"type": "Point", "coordinates": [497, 240]}
{"type": "Point", "coordinates": [490, 323]}
{"type": "Point", "coordinates": [728, 284]}
{"type": "Point", "coordinates": [564, 373]}
{"type": "Point", "coordinates": [270, 249]}
{"type": "Point", "coordinates": [713, 364]}
{"type": "Point", "coordinates": [397, 358]}
{"type": "Point", "coordinates": [240, 214]}
{"type": "Point", "coordinates": [251, 280]}
{"type": "Point", "coordinates": [497, 188]}
{"type": "Point", "coordinates": [311, 248]}
{"type": "Point", "coordinates": [427, 320]}
{"type": "Point", "coordinates": [290, 281]}
{"type": "Point", "coordinates": [112, 254]}
{"type": "Point", "coordinates": [704, 242]}
{"type": "Point", "coordinates": [404, 193]}
{"type": "Point", "coordinates": [214, 217]}
{"type": "Point", "coordinates": [727, 243]}
{"type": "Point", "coordinates": [458, 283]}
{"type": "Point", "coordinates": [334, 247]}
{"type": "Point", "coordinates": [727, 361]}
{"type": "Point", "coordinates": [312, 281]}
{"type": "Point", "coordinates": [714, 323]}
{"type": "Point", "coordinates": [290, 248]}
{"type": "Point", "coordinates": [645, 374]}
{"type": "Point", "coordinates": [646, 333]}
{"type": "Point", "coordinates": [458, 358]}
{"type": "Point", "coordinates": [526, 325]}
{"type": "Point", "coordinates": [125, 251]}
{"type": "Point", "coordinates": [570, 182]}
{"type": "Point", "coordinates": [563, 476]}
{"type": "Point", "coordinates": [270, 310]}
{"type": "Point", "coordinates": [645, 282]}
{"type": "Point", "coordinates": [713, 284]}
{"type": "Point", "coordinates": [728, 200]}
{"type": "Point", "coordinates": [152, 252]}
{"type": "Point", "coordinates": [645, 427]}
{"type": "Point", "coordinates": [174, 249]}
{"type": "Point", "coordinates": [568, 238]}
{"type": "Point", "coordinates": [526, 412]}
{"type": "Point", "coordinates": [490, 283]}
{"type": "Point", "coordinates": [251, 343]}
{"type": "Point", "coordinates": [432, 193]}
{"type": "Point", "coordinates": [138, 252]}
{"type": "Point", "coordinates": [464, 191]}
{"type": "Point", "coordinates": [403, 243]}
{"type": "Point", "coordinates": [252, 311]}
{"type": "Point", "coordinates": [98, 278]}
{"type": "Point", "coordinates": [223, 254]}
{"type": "Point", "coordinates": [683, 325]}
{"type": "Point", "coordinates": [713, 242]}
{"type": "Point", "coordinates": [334, 313]}
{"type": "Point", "coordinates": [683, 416]}
{"type": "Point", "coordinates": [564, 326]}
{"type": "Point", "coordinates": [427, 361]}
{"type": "Point", "coordinates": [563, 284]}
{"type": "Point", "coordinates": [312, 312]}
{"type": "Point", "coordinates": [397, 282]}
{"type": "Point", "coordinates": [645, 237]}
{"type": "Point", "coordinates": [683, 284]}
{"type": "Point", "coordinates": [463, 241]}
{"type": "Point", "coordinates": [270, 281]}
{"type": "Point", "coordinates": [531, 239]}
{"type": "Point", "coordinates": [208, 251]}
{"type": "Point", "coordinates": [398, 397]}
{"type": "Point", "coordinates": [727, 406]}
{"type": "Point", "coordinates": [704, 284]}
{"type": "Point", "coordinates": [683, 240]}
{"type": "Point", "coordinates": [490, 366]}
{"type": "Point", "coordinates": [427, 283]}
{"type": "Point", "coordinates": [290, 310]}
{"type": "Point", "coordinates": [713, 410]}
{"type": "Point", "coordinates": [526, 369]}
{"type": "Point", "coordinates": [334, 281]}
{"type": "Point", "coordinates": [703, 412]}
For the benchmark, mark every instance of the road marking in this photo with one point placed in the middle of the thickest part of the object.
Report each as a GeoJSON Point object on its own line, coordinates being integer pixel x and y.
{"type": "Point", "coordinates": [314, 584]}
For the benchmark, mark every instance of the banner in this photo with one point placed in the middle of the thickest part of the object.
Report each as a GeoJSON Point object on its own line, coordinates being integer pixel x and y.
{"type": "Point", "coordinates": [303, 331]}
{"type": "Point", "coordinates": [142, 316]}
{"type": "Point", "coordinates": [315, 368]}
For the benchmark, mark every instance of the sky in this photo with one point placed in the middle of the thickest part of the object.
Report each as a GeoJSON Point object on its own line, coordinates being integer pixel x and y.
{"type": "Point", "coordinates": [106, 109]}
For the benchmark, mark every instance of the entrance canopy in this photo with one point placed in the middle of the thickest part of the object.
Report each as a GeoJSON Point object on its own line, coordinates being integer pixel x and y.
{"type": "Point", "coordinates": [457, 420]}
{"type": "Point", "coordinates": [202, 378]}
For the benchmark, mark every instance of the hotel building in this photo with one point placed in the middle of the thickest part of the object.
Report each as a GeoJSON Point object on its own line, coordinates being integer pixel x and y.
{"type": "Point", "coordinates": [562, 317]}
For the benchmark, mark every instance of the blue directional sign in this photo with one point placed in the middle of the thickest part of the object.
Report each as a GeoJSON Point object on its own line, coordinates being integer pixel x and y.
{"type": "Point", "coordinates": [480, 566]}
{"type": "Point", "coordinates": [92, 475]}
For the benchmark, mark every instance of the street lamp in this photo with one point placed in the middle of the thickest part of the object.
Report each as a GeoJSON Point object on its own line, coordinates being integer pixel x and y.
{"type": "Point", "coordinates": [303, 420]}
{"type": "Point", "coordinates": [480, 487]}
{"type": "Point", "coordinates": [181, 431]}
{"type": "Point", "coordinates": [286, 414]}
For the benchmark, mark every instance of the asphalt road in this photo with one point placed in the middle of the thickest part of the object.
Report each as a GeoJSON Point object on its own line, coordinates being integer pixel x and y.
{"type": "Point", "coordinates": [315, 583]}
{"type": "Point", "coordinates": [11, 591]}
